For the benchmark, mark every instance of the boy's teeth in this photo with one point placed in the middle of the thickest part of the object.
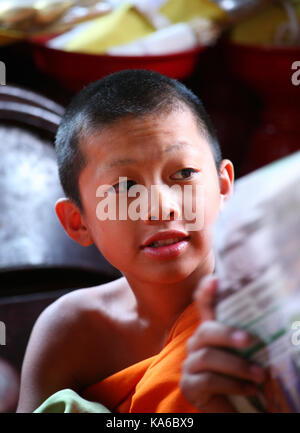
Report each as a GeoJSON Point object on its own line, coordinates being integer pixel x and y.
{"type": "Point", "coordinates": [165, 242]}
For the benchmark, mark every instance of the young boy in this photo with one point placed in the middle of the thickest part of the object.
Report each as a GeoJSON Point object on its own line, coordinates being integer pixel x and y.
{"type": "Point", "coordinates": [152, 131]}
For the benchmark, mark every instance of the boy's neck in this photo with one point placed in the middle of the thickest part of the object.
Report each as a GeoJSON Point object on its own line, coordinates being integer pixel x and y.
{"type": "Point", "coordinates": [160, 305]}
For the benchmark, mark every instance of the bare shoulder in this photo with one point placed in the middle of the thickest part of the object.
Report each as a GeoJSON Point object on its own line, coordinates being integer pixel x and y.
{"type": "Point", "coordinates": [67, 320]}
{"type": "Point", "coordinates": [68, 342]}
{"type": "Point", "coordinates": [98, 299]}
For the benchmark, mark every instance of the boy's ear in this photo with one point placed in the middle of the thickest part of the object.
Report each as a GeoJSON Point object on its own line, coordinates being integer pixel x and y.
{"type": "Point", "coordinates": [72, 221]}
{"type": "Point", "coordinates": [226, 174]}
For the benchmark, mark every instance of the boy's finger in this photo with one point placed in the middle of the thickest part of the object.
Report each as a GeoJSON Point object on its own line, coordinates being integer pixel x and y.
{"type": "Point", "coordinates": [199, 388]}
{"type": "Point", "coordinates": [216, 334]}
{"type": "Point", "coordinates": [205, 297]}
{"type": "Point", "coordinates": [219, 361]}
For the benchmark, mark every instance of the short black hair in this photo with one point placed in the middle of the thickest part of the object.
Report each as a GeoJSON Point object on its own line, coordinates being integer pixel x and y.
{"type": "Point", "coordinates": [100, 104]}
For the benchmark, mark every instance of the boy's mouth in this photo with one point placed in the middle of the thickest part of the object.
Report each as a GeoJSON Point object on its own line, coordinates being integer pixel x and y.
{"type": "Point", "coordinates": [166, 244]}
{"type": "Point", "coordinates": [165, 238]}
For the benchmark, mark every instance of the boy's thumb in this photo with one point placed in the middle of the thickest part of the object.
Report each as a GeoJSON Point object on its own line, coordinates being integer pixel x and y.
{"type": "Point", "coordinates": [205, 296]}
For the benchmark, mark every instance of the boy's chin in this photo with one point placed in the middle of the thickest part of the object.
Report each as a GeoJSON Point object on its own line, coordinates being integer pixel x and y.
{"type": "Point", "coordinates": [170, 275]}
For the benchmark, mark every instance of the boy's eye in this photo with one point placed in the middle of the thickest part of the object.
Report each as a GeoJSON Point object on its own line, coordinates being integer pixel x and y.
{"type": "Point", "coordinates": [123, 186]}
{"type": "Point", "coordinates": [183, 174]}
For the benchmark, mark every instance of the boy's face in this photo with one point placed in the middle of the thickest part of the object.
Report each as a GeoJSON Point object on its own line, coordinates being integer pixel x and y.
{"type": "Point", "coordinates": [161, 150]}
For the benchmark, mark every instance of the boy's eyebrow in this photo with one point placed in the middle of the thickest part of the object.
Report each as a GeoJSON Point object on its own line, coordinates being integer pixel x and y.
{"type": "Point", "coordinates": [119, 162]}
{"type": "Point", "coordinates": [127, 161]}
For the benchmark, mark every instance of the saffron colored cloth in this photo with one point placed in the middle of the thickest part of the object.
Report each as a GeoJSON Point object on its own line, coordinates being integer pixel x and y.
{"type": "Point", "coordinates": [151, 385]}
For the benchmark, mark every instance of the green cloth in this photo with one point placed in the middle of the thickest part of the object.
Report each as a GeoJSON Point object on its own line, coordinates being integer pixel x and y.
{"type": "Point", "coordinates": [68, 401]}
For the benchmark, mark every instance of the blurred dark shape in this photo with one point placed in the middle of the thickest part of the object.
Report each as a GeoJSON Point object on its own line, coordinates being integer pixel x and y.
{"type": "Point", "coordinates": [9, 387]}
{"type": "Point", "coordinates": [38, 261]}
{"type": "Point", "coordinates": [268, 72]}
{"type": "Point", "coordinates": [36, 253]}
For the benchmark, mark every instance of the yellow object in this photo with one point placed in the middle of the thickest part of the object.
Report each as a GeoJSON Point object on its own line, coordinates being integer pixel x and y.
{"type": "Point", "coordinates": [121, 26]}
{"type": "Point", "coordinates": [9, 37]}
{"type": "Point", "coordinates": [185, 10]}
{"type": "Point", "coordinates": [126, 24]}
{"type": "Point", "coordinates": [261, 28]}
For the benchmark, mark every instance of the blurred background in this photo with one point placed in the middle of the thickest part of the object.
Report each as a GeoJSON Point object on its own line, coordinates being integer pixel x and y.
{"type": "Point", "coordinates": [241, 57]}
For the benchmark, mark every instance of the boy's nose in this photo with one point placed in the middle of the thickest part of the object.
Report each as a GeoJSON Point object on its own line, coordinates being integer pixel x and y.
{"type": "Point", "coordinates": [171, 216]}
{"type": "Point", "coordinates": [165, 208]}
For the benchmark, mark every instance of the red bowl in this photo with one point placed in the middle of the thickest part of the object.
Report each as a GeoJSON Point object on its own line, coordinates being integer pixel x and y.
{"type": "Point", "coordinates": [267, 69]}
{"type": "Point", "coordinates": [74, 70]}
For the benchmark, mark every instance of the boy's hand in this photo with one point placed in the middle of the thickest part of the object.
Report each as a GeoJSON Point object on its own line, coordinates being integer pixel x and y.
{"type": "Point", "coordinates": [211, 373]}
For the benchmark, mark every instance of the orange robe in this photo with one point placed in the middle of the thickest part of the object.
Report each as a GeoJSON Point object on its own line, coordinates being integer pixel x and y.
{"type": "Point", "coordinates": [151, 385]}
